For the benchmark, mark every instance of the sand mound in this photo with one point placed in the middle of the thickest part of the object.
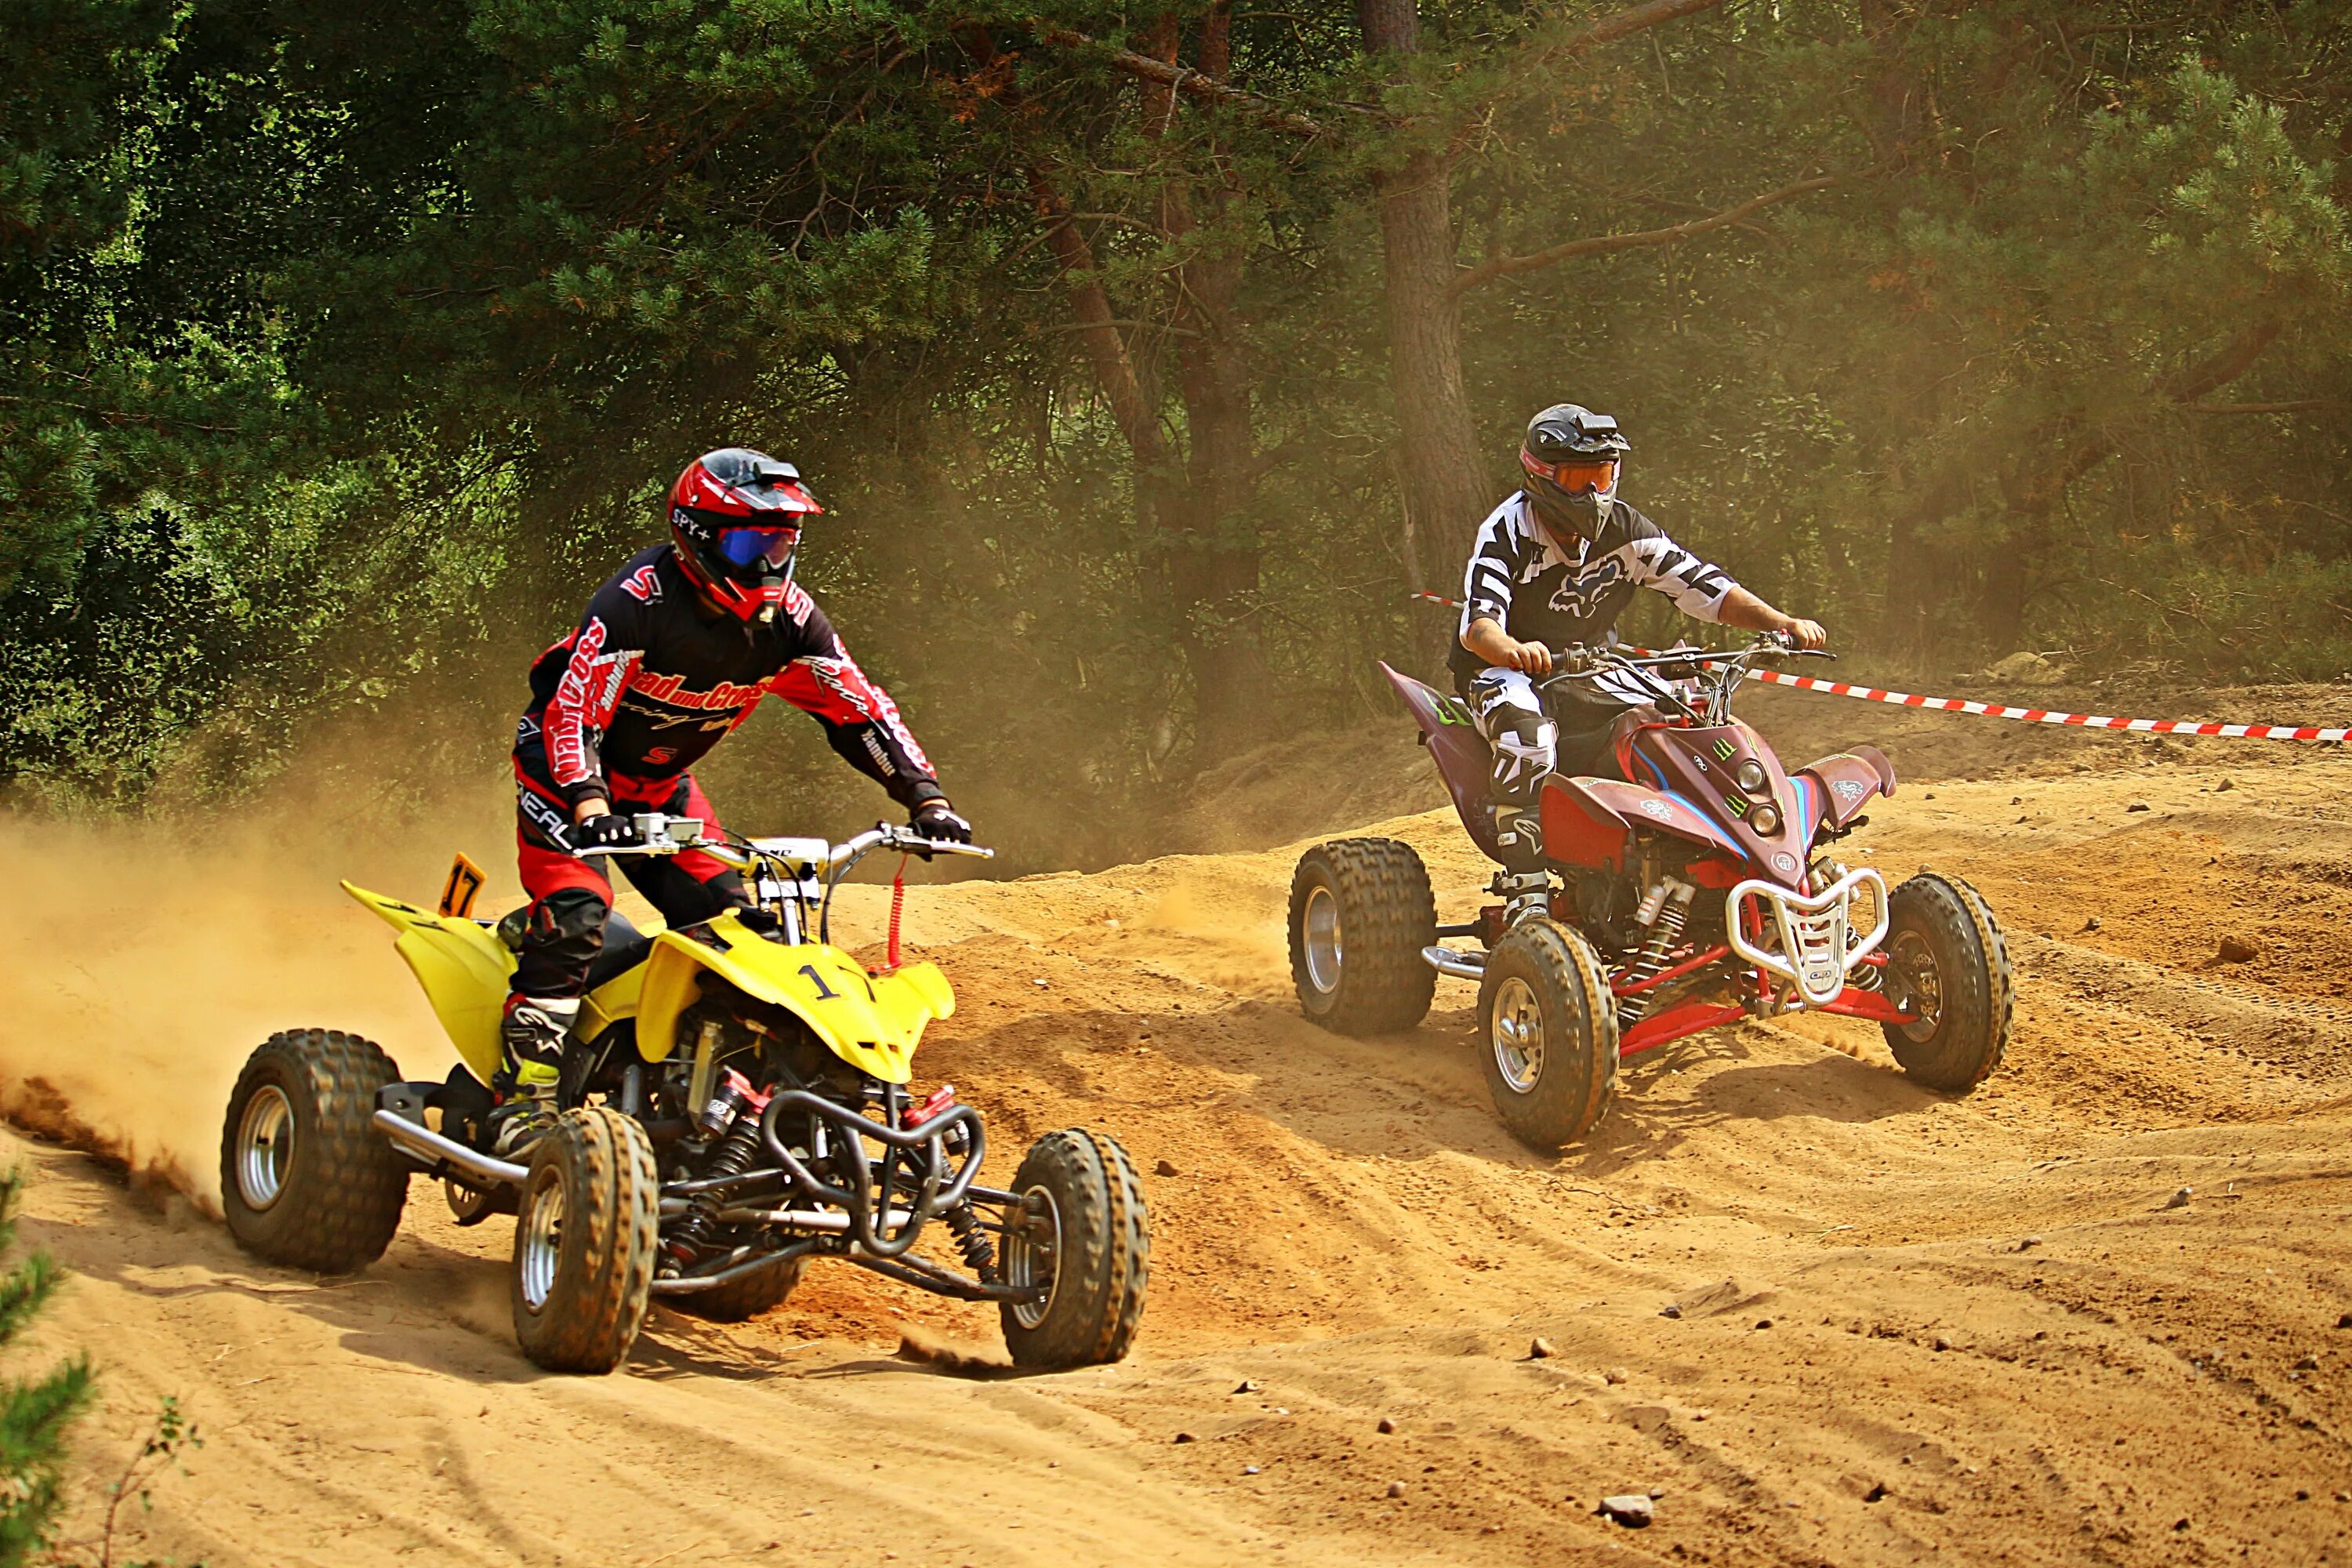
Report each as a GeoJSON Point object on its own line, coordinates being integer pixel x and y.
{"type": "Point", "coordinates": [1906, 1325]}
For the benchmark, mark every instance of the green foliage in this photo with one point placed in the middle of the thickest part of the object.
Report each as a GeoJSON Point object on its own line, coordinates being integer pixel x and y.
{"type": "Point", "coordinates": [348, 346]}
{"type": "Point", "coordinates": [35, 1415]}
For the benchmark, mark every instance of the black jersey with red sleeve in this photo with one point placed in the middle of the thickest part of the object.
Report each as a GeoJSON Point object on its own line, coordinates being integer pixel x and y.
{"type": "Point", "coordinates": [652, 680]}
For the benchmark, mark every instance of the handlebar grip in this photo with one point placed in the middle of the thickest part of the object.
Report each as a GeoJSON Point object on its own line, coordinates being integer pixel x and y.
{"type": "Point", "coordinates": [946, 846]}
{"type": "Point", "coordinates": [660, 849]}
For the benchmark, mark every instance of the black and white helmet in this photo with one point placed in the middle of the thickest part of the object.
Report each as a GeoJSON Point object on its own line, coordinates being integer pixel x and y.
{"type": "Point", "coordinates": [1571, 457]}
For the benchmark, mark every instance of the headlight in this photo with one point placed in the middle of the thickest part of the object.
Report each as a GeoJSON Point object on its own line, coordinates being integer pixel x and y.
{"type": "Point", "coordinates": [1751, 776]}
{"type": "Point", "coordinates": [1765, 819]}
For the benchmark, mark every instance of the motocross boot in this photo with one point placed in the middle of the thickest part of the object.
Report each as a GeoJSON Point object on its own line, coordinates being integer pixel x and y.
{"type": "Point", "coordinates": [1520, 835]}
{"type": "Point", "coordinates": [532, 1035]}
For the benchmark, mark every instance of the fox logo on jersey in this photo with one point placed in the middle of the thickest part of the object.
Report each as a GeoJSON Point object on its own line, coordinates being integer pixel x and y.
{"type": "Point", "coordinates": [1581, 597]}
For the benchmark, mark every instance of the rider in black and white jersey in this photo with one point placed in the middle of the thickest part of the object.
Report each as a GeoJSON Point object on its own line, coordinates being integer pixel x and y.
{"type": "Point", "coordinates": [1554, 565]}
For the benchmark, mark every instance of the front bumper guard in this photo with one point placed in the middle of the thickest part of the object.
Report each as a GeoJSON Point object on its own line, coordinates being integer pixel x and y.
{"type": "Point", "coordinates": [1817, 944]}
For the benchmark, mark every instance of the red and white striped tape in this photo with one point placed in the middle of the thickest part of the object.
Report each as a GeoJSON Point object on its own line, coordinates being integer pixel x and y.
{"type": "Point", "coordinates": [2050, 716]}
{"type": "Point", "coordinates": [2026, 715]}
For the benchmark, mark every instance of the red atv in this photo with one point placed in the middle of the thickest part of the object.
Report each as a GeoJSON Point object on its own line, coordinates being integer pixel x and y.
{"type": "Point", "coordinates": [1704, 894]}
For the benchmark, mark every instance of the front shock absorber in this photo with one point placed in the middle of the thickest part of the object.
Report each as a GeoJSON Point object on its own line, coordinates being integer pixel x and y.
{"type": "Point", "coordinates": [1664, 911]}
{"type": "Point", "coordinates": [736, 1102]}
{"type": "Point", "coordinates": [978, 1256]}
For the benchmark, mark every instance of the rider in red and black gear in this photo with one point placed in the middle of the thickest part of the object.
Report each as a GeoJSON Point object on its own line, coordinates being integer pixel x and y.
{"type": "Point", "coordinates": [675, 650]}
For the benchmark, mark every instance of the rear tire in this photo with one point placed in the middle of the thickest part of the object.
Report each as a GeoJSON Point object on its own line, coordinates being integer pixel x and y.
{"type": "Point", "coordinates": [1547, 1026]}
{"type": "Point", "coordinates": [1091, 1248]}
{"type": "Point", "coordinates": [306, 1179]}
{"type": "Point", "coordinates": [1945, 956]}
{"type": "Point", "coordinates": [743, 1298]}
{"type": "Point", "coordinates": [584, 1256]}
{"type": "Point", "coordinates": [1361, 913]}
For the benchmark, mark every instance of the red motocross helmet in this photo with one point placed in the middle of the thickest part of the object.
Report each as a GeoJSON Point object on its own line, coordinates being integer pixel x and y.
{"type": "Point", "coordinates": [735, 520]}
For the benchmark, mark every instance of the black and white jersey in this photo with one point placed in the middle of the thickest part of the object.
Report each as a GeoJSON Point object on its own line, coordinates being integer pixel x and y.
{"type": "Point", "coordinates": [1538, 592]}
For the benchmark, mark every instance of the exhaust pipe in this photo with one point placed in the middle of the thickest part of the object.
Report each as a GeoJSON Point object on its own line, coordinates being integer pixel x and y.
{"type": "Point", "coordinates": [433, 1149]}
{"type": "Point", "coordinates": [1446, 961]}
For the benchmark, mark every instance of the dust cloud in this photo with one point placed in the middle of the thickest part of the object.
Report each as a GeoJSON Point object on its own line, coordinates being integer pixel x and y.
{"type": "Point", "coordinates": [147, 961]}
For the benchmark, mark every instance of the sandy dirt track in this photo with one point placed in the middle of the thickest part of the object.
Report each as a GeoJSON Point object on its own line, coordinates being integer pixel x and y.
{"type": "Point", "coordinates": [1913, 1330]}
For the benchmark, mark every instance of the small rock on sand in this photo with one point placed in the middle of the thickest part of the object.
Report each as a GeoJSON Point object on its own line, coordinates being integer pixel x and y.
{"type": "Point", "coordinates": [1540, 1349]}
{"type": "Point", "coordinates": [1396, 1489]}
{"type": "Point", "coordinates": [2223, 787]}
{"type": "Point", "coordinates": [2139, 806]}
{"type": "Point", "coordinates": [2237, 949]}
{"type": "Point", "coordinates": [1166, 1168]}
{"type": "Point", "coordinates": [1617, 1375]}
{"type": "Point", "coordinates": [2180, 1200]}
{"type": "Point", "coordinates": [1385, 1427]}
{"type": "Point", "coordinates": [1632, 1509]}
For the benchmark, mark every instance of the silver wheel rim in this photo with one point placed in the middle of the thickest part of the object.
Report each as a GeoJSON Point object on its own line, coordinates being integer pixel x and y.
{"type": "Point", "coordinates": [1913, 962]}
{"type": "Point", "coordinates": [1516, 1033]}
{"type": "Point", "coordinates": [1318, 935]}
{"type": "Point", "coordinates": [539, 1247]}
{"type": "Point", "coordinates": [265, 1147]}
{"type": "Point", "coordinates": [1028, 1262]}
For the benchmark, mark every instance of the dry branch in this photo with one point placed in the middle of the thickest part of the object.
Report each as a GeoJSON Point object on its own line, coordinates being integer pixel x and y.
{"type": "Point", "coordinates": [2299, 405]}
{"type": "Point", "coordinates": [1631, 20]}
{"type": "Point", "coordinates": [1256, 106]}
{"type": "Point", "coordinates": [1595, 245]}
{"type": "Point", "coordinates": [1192, 83]}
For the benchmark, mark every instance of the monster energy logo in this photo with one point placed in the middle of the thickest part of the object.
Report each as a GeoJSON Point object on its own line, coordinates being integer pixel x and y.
{"type": "Point", "coordinates": [1723, 749]}
{"type": "Point", "coordinates": [1736, 805]}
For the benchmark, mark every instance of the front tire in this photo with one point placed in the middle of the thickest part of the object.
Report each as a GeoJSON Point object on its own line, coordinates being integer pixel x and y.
{"type": "Point", "coordinates": [1548, 1024]}
{"type": "Point", "coordinates": [1946, 961]}
{"type": "Point", "coordinates": [306, 1179]}
{"type": "Point", "coordinates": [1360, 913]}
{"type": "Point", "coordinates": [1087, 1239]}
{"type": "Point", "coordinates": [585, 1239]}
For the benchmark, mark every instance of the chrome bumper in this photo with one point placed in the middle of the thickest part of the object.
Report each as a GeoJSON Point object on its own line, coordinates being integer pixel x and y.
{"type": "Point", "coordinates": [1817, 947]}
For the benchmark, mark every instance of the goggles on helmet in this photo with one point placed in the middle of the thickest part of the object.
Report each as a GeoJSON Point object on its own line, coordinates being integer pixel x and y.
{"type": "Point", "coordinates": [743, 546]}
{"type": "Point", "coordinates": [1577, 475]}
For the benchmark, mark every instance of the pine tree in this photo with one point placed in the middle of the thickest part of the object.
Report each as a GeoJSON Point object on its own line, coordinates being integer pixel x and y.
{"type": "Point", "coordinates": [33, 1415]}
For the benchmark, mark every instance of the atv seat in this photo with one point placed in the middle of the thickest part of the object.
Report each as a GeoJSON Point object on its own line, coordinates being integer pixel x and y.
{"type": "Point", "coordinates": [624, 948]}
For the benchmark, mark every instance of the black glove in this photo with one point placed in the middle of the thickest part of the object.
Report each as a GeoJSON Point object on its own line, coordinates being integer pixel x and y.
{"type": "Point", "coordinates": [936, 819]}
{"type": "Point", "coordinates": [610, 831]}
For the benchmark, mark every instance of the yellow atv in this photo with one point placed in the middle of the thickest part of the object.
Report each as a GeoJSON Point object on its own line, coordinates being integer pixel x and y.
{"type": "Point", "coordinates": [735, 1103]}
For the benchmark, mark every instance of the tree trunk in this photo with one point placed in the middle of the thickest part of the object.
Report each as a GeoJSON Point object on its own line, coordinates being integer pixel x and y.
{"type": "Point", "coordinates": [1445, 483]}
{"type": "Point", "coordinates": [1214, 574]}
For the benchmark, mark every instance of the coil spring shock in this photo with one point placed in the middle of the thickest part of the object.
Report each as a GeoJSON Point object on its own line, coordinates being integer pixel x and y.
{"type": "Point", "coordinates": [734, 1157]}
{"type": "Point", "coordinates": [978, 1256]}
{"type": "Point", "coordinates": [1674, 901]}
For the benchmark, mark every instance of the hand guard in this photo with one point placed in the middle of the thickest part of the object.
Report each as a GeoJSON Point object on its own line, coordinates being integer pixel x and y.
{"type": "Point", "coordinates": [936, 819]}
{"type": "Point", "coordinates": [610, 831]}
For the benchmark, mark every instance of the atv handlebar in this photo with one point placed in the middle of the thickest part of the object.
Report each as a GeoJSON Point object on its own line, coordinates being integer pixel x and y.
{"type": "Point", "coordinates": [882, 835]}
{"type": "Point", "coordinates": [661, 834]}
{"type": "Point", "coordinates": [1652, 672]}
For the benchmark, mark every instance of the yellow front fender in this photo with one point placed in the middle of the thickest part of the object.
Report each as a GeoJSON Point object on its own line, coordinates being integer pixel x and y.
{"type": "Point", "coordinates": [463, 967]}
{"type": "Point", "coordinates": [871, 1021]}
